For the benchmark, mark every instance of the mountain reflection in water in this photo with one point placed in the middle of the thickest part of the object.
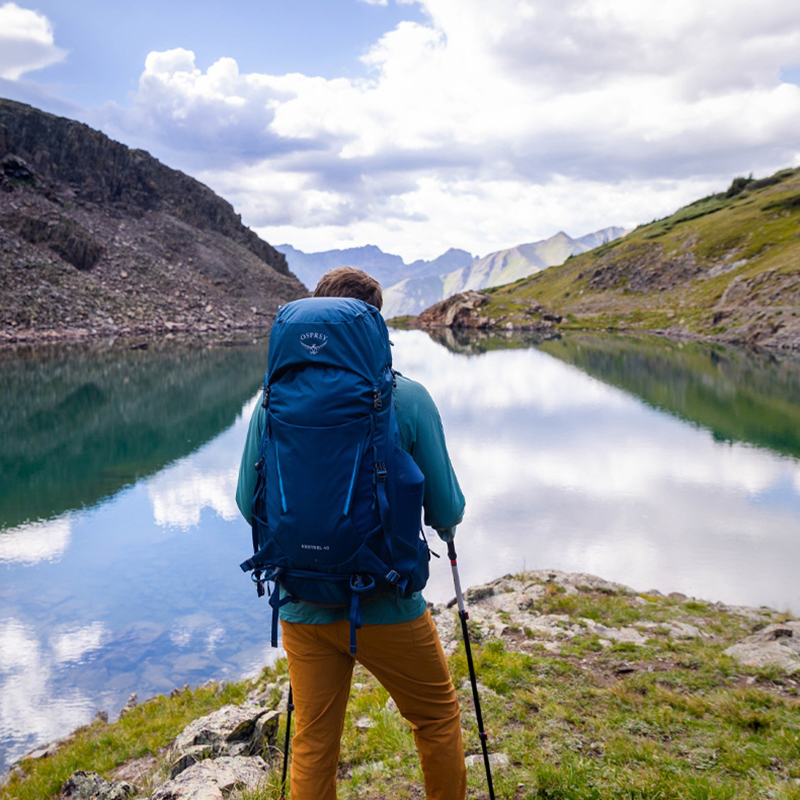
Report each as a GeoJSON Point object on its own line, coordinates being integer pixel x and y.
{"type": "Point", "coordinates": [79, 423]}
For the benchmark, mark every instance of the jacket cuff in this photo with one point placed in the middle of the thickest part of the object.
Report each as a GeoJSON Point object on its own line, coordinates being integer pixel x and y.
{"type": "Point", "coordinates": [447, 534]}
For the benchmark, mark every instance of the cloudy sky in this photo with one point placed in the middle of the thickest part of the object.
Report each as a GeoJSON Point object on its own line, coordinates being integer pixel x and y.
{"type": "Point", "coordinates": [418, 125]}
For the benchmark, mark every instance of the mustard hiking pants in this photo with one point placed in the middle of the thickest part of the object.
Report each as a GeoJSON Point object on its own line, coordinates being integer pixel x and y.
{"type": "Point", "coordinates": [407, 658]}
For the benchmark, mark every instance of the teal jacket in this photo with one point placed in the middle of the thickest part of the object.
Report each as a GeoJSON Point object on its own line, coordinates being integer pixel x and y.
{"type": "Point", "coordinates": [422, 436]}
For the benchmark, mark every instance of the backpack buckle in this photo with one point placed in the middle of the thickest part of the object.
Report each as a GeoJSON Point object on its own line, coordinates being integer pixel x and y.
{"type": "Point", "coordinates": [377, 403]}
{"type": "Point", "coordinates": [393, 577]}
{"type": "Point", "coordinates": [265, 401]}
{"type": "Point", "coordinates": [380, 471]}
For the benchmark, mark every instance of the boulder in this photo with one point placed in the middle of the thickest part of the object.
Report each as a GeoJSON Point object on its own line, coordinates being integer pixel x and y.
{"type": "Point", "coordinates": [214, 779]}
{"type": "Point", "coordinates": [776, 645]}
{"type": "Point", "coordinates": [91, 786]}
{"type": "Point", "coordinates": [229, 731]}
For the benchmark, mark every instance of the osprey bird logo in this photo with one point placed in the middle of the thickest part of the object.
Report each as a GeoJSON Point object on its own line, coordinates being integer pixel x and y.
{"type": "Point", "coordinates": [313, 342]}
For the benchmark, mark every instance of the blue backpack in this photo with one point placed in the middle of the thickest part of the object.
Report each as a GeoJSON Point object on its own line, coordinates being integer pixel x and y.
{"type": "Point", "coordinates": [337, 506]}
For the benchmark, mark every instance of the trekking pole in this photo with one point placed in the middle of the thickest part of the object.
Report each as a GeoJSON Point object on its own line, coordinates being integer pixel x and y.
{"type": "Point", "coordinates": [463, 616]}
{"type": "Point", "coordinates": [289, 709]}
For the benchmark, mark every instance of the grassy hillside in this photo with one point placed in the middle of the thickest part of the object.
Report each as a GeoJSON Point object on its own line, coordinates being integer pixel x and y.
{"type": "Point", "coordinates": [726, 267]}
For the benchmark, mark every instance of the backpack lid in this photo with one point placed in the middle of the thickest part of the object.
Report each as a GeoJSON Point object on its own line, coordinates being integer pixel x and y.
{"type": "Point", "coordinates": [336, 332]}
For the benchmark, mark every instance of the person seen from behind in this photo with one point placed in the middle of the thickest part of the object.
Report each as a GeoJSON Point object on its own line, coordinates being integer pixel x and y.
{"type": "Point", "coordinates": [398, 642]}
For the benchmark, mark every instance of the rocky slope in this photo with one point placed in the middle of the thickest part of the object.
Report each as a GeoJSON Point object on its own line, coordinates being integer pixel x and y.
{"type": "Point", "coordinates": [96, 238]}
{"type": "Point", "coordinates": [725, 268]}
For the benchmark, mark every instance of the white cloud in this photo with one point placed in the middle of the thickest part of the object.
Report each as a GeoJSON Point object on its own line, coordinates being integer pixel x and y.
{"type": "Point", "coordinates": [26, 42]}
{"type": "Point", "coordinates": [36, 541]}
{"type": "Point", "coordinates": [483, 130]}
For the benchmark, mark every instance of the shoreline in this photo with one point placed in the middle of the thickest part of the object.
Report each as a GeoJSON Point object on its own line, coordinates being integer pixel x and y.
{"type": "Point", "coordinates": [225, 333]}
{"type": "Point", "coordinates": [151, 333]}
{"type": "Point", "coordinates": [603, 629]}
{"type": "Point", "coordinates": [549, 331]}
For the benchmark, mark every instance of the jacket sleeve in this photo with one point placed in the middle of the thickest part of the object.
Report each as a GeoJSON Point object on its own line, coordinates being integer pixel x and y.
{"type": "Point", "coordinates": [247, 473]}
{"type": "Point", "coordinates": [422, 436]}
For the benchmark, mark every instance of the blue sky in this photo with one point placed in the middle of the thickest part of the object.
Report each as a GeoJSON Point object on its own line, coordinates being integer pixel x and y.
{"type": "Point", "coordinates": [418, 125]}
{"type": "Point", "coordinates": [109, 42]}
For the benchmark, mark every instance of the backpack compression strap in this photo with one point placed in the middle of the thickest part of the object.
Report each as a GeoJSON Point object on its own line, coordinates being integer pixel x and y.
{"type": "Point", "coordinates": [358, 587]}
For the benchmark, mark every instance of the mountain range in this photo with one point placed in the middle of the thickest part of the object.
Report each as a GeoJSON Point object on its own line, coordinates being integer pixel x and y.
{"type": "Point", "coordinates": [410, 288]}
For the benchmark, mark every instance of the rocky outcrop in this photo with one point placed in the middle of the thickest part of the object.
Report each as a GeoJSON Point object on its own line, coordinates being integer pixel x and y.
{"type": "Point", "coordinates": [459, 311]}
{"type": "Point", "coordinates": [211, 758]}
{"type": "Point", "coordinates": [549, 613]}
{"type": "Point", "coordinates": [475, 310]}
{"type": "Point", "coordinates": [214, 779]}
{"type": "Point", "coordinates": [508, 608]}
{"type": "Point", "coordinates": [230, 731]}
{"type": "Point", "coordinates": [91, 786]}
{"type": "Point", "coordinates": [98, 239]}
{"type": "Point", "coordinates": [777, 645]}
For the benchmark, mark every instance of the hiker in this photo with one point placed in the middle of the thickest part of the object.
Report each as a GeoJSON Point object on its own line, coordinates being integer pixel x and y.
{"type": "Point", "coordinates": [397, 640]}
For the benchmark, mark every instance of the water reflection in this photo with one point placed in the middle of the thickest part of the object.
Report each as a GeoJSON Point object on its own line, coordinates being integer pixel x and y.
{"type": "Point", "coordinates": [120, 539]}
{"type": "Point", "coordinates": [78, 424]}
{"type": "Point", "coordinates": [740, 395]}
{"type": "Point", "coordinates": [563, 470]}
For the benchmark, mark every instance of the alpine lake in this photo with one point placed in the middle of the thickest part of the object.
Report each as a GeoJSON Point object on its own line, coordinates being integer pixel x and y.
{"type": "Point", "coordinates": [664, 466]}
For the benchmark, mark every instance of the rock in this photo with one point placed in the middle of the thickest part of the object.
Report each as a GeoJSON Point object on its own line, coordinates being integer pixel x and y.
{"type": "Point", "coordinates": [101, 716]}
{"type": "Point", "coordinates": [677, 629]}
{"type": "Point", "coordinates": [391, 707]}
{"type": "Point", "coordinates": [133, 701]}
{"type": "Point", "coordinates": [495, 760]}
{"type": "Point", "coordinates": [136, 770]}
{"type": "Point", "coordinates": [90, 786]}
{"type": "Point", "coordinates": [364, 724]}
{"type": "Point", "coordinates": [460, 310]}
{"type": "Point", "coordinates": [776, 645]}
{"type": "Point", "coordinates": [45, 751]}
{"type": "Point", "coordinates": [475, 593]}
{"type": "Point", "coordinates": [214, 779]}
{"type": "Point", "coordinates": [16, 169]}
{"type": "Point", "coordinates": [192, 756]}
{"type": "Point", "coordinates": [231, 730]}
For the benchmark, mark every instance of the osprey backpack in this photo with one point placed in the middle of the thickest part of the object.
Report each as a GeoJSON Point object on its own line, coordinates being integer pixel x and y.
{"type": "Point", "coordinates": [336, 513]}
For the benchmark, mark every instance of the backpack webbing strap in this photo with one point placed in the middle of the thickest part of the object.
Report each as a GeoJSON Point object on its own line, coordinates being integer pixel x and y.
{"type": "Point", "coordinates": [276, 601]}
{"type": "Point", "coordinates": [381, 475]}
{"type": "Point", "coordinates": [357, 587]}
{"type": "Point", "coordinates": [355, 619]}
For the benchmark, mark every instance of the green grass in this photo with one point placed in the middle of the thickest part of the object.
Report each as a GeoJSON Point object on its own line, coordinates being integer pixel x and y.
{"type": "Point", "coordinates": [100, 747]}
{"type": "Point", "coordinates": [669, 720]}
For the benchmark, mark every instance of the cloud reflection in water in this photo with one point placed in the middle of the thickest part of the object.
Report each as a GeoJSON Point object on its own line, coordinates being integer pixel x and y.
{"type": "Point", "coordinates": [563, 471]}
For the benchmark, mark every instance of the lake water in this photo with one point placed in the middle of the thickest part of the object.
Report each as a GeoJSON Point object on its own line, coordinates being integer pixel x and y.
{"type": "Point", "coordinates": [661, 466]}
